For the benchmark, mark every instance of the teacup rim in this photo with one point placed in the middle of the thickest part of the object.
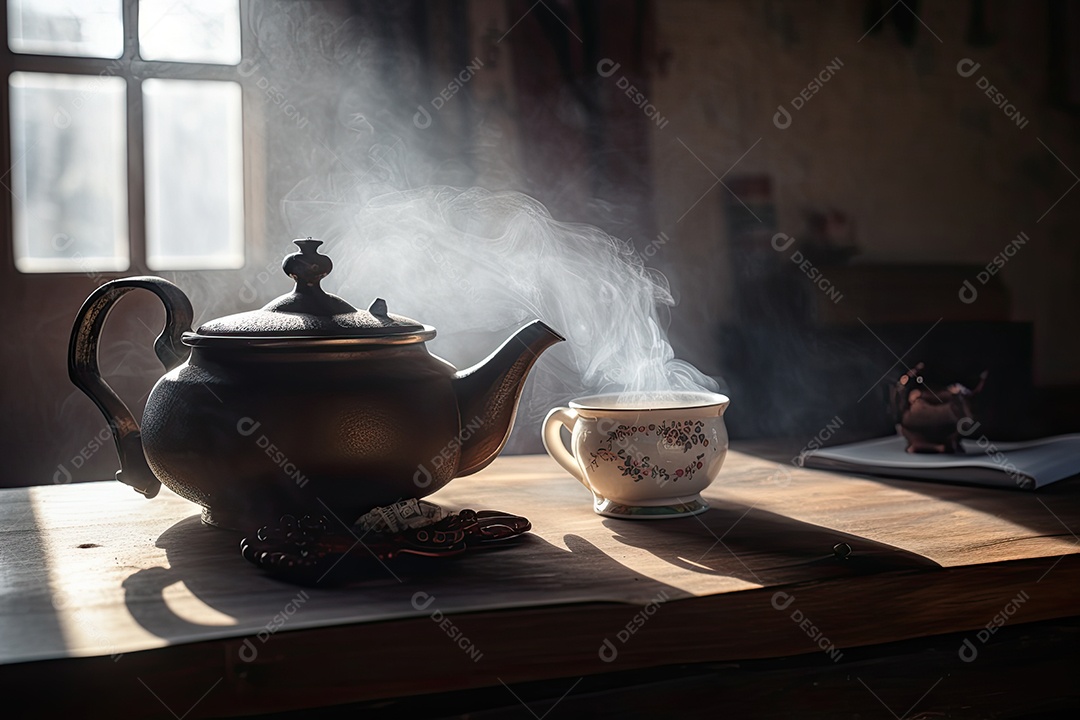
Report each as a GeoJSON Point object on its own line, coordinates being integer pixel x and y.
{"type": "Point", "coordinates": [588, 403]}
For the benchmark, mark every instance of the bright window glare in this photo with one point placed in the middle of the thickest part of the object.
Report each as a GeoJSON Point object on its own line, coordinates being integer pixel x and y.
{"type": "Point", "coordinates": [80, 28]}
{"type": "Point", "coordinates": [194, 175]}
{"type": "Point", "coordinates": [69, 173]}
{"type": "Point", "coordinates": [205, 31]}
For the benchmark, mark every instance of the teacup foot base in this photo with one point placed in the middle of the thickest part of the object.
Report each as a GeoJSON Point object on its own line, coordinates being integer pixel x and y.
{"type": "Point", "coordinates": [664, 510]}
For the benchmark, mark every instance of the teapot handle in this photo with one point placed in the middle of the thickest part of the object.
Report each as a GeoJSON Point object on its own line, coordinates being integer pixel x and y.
{"type": "Point", "coordinates": [84, 371]}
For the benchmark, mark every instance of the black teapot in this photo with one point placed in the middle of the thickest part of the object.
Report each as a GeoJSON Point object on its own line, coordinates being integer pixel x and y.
{"type": "Point", "coordinates": [305, 405]}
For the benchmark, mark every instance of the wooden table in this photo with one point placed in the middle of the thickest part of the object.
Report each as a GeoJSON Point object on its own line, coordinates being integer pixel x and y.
{"type": "Point", "coordinates": [111, 604]}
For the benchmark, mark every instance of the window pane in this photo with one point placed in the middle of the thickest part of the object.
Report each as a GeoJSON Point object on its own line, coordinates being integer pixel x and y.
{"type": "Point", "coordinates": [194, 175]}
{"type": "Point", "coordinates": [69, 172]}
{"type": "Point", "coordinates": [83, 28]}
{"type": "Point", "coordinates": [191, 31]}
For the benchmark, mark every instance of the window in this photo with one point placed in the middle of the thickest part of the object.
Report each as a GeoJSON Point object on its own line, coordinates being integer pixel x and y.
{"type": "Point", "coordinates": [125, 135]}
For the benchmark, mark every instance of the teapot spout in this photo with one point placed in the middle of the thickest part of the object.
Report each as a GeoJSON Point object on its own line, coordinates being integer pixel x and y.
{"type": "Point", "coordinates": [488, 394]}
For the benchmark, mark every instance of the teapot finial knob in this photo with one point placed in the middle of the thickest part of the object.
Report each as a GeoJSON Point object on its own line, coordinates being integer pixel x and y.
{"type": "Point", "coordinates": [307, 267]}
{"type": "Point", "coordinates": [378, 309]}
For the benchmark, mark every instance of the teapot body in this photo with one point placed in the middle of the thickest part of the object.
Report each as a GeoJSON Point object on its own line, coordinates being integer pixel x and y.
{"type": "Point", "coordinates": [305, 406]}
{"type": "Point", "coordinates": [250, 436]}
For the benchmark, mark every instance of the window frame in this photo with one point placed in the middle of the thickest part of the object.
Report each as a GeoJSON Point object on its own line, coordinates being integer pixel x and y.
{"type": "Point", "coordinates": [133, 70]}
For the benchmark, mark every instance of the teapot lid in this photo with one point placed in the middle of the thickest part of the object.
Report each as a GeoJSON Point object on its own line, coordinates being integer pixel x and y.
{"type": "Point", "coordinates": [310, 315]}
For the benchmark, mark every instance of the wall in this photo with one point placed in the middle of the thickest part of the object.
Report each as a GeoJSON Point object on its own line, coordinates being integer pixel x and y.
{"type": "Point", "coordinates": [928, 167]}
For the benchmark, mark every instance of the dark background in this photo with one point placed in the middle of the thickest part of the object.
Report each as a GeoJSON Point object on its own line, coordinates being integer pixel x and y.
{"type": "Point", "coordinates": [899, 179]}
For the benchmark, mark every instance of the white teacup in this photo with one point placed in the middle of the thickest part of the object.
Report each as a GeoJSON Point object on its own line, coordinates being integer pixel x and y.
{"type": "Point", "coordinates": [643, 455]}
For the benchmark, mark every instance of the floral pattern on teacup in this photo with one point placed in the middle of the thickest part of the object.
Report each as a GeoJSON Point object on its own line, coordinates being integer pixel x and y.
{"type": "Point", "coordinates": [682, 435]}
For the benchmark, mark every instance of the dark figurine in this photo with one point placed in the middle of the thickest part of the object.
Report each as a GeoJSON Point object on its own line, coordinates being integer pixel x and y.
{"type": "Point", "coordinates": [928, 416]}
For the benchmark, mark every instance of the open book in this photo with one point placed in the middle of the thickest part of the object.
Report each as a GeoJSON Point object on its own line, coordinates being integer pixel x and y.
{"type": "Point", "coordinates": [1026, 465]}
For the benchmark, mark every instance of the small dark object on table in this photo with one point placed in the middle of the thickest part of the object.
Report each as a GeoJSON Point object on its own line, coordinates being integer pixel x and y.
{"type": "Point", "coordinates": [930, 417]}
{"type": "Point", "coordinates": [307, 552]}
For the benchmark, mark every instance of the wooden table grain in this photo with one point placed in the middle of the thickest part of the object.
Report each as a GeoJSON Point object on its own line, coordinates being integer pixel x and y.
{"type": "Point", "coordinates": [137, 605]}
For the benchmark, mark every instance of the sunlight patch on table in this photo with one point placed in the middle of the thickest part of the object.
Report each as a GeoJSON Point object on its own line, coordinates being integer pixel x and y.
{"type": "Point", "coordinates": [91, 617]}
{"type": "Point", "coordinates": [187, 607]}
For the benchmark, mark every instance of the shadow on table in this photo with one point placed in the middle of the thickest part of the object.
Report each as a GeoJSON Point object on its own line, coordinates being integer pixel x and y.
{"type": "Point", "coordinates": [208, 564]}
{"type": "Point", "coordinates": [198, 558]}
{"type": "Point", "coordinates": [762, 547]}
{"type": "Point", "coordinates": [1052, 511]}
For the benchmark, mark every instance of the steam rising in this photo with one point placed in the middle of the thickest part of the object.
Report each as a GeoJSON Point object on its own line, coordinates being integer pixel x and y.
{"type": "Point", "coordinates": [387, 198]}
{"type": "Point", "coordinates": [478, 264]}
